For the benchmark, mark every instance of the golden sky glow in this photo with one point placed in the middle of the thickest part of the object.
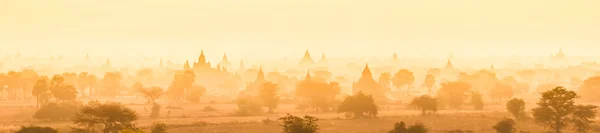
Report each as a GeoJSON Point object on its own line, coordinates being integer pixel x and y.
{"type": "Point", "coordinates": [266, 28]}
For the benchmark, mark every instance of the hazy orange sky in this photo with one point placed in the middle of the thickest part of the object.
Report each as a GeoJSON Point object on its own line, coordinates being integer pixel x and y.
{"type": "Point", "coordinates": [276, 28]}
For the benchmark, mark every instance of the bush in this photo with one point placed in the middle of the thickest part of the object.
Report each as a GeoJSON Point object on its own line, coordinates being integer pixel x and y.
{"type": "Point", "coordinates": [401, 128]}
{"type": "Point", "coordinates": [425, 103]}
{"type": "Point", "coordinates": [36, 129]}
{"type": "Point", "coordinates": [159, 128]}
{"type": "Point", "coordinates": [57, 111]}
{"type": "Point", "coordinates": [155, 111]}
{"type": "Point", "coordinates": [295, 124]}
{"type": "Point", "coordinates": [516, 107]}
{"type": "Point", "coordinates": [249, 106]}
{"type": "Point", "coordinates": [505, 126]}
{"type": "Point", "coordinates": [209, 108]}
{"type": "Point", "coordinates": [359, 105]}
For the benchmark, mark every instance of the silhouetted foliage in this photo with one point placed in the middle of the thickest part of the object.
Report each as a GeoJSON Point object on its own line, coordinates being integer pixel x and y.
{"type": "Point", "coordinates": [249, 106]}
{"type": "Point", "coordinates": [155, 112]}
{"type": "Point", "coordinates": [589, 89]}
{"type": "Point", "coordinates": [111, 83]}
{"type": "Point", "coordinates": [319, 96]}
{"type": "Point", "coordinates": [429, 82]}
{"type": "Point", "coordinates": [151, 94]}
{"type": "Point", "coordinates": [500, 91]}
{"type": "Point", "coordinates": [41, 90]}
{"type": "Point", "coordinates": [60, 90]}
{"type": "Point", "coordinates": [194, 93]}
{"type": "Point", "coordinates": [582, 117]}
{"type": "Point", "coordinates": [269, 95]}
{"type": "Point", "coordinates": [359, 105]}
{"type": "Point", "coordinates": [182, 80]}
{"type": "Point", "coordinates": [516, 107]}
{"type": "Point", "coordinates": [477, 100]}
{"type": "Point", "coordinates": [36, 129]}
{"type": "Point", "coordinates": [295, 124]}
{"type": "Point", "coordinates": [401, 128]}
{"type": "Point", "coordinates": [107, 117]}
{"type": "Point", "coordinates": [159, 127]}
{"type": "Point", "coordinates": [454, 93]}
{"type": "Point", "coordinates": [554, 108]}
{"type": "Point", "coordinates": [403, 79]}
{"type": "Point", "coordinates": [425, 103]}
{"type": "Point", "coordinates": [57, 111]}
{"type": "Point", "coordinates": [505, 126]}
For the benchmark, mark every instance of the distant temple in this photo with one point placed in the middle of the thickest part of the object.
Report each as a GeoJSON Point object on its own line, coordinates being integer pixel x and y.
{"type": "Point", "coordinates": [306, 61]}
{"type": "Point", "coordinates": [87, 56]}
{"type": "Point", "coordinates": [395, 57]}
{"type": "Point", "coordinates": [323, 60]}
{"type": "Point", "coordinates": [208, 76]}
{"type": "Point", "coordinates": [367, 84]}
{"type": "Point", "coordinates": [560, 55]}
{"type": "Point", "coordinates": [225, 62]}
{"type": "Point", "coordinates": [449, 65]}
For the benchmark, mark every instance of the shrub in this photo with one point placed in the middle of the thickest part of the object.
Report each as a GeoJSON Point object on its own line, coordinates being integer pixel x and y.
{"type": "Point", "coordinates": [155, 111]}
{"type": "Point", "coordinates": [516, 107]}
{"type": "Point", "coordinates": [359, 105]}
{"type": "Point", "coordinates": [425, 103]}
{"type": "Point", "coordinates": [401, 128]}
{"type": "Point", "coordinates": [57, 111]}
{"type": "Point", "coordinates": [158, 127]}
{"type": "Point", "coordinates": [505, 126]}
{"type": "Point", "coordinates": [249, 106]}
{"type": "Point", "coordinates": [295, 124]}
{"type": "Point", "coordinates": [36, 129]}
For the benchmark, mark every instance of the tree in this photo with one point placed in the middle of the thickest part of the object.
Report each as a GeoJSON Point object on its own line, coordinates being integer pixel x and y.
{"type": "Point", "coordinates": [137, 86]}
{"type": "Point", "coordinates": [500, 91]}
{"type": "Point", "coordinates": [402, 79]}
{"type": "Point", "coordinates": [320, 96]}
{"type": "Point", "coordinates": [505, 126]}
{"type": "Point", "coordinates": [582, 117]}
{"type": "Point", "coordinates": [111, 83]}
{"type": "Point", "coordinates": [425, 103]}
{"type": "Point", "coordinates": [28, 78]}
{"type": "Point", "coordinates": [590, 88]}
{"type": "Point", "coordinates": [194, 93]}
{"type": "Point", "coordinates": [60, 90]}
{"type": "Point", "coordinates": [516, 107]}
{"type": "Point", "coordinates": [36, 129]}
{"type": "Point", "coordinates": [401, 128]}
{"type": "Point", "coordinates": [159, 127]}
{"type": "Point", "coordinates": [41, 91]}
{"type": "Point", "coordinates": [92, 81]}
{"type": "Point", "coordinates": [269, 93]}
{"type": "Point", "coordinates": [57, 111]}
{"type": "Point", "coordinates": [152, 93]}
{"type": "Point", "coordinates": [295, 124]}
{"type": "Point", "coordinates": [182, 80]}
{"type": "Point", "coordinates": [477, 100]}
{"type": "Point", "coordinates": [429, 82]}
{"type": "Point", "coordinates": [384, 80]}
{"type": "Point", "coordinates": [249, 106]}
{"type": "Point", "coordinates": [82, 82]}
{"type": "Point", "coordinates": [454, 93]}
{"type": "Point", "coordinates": [359, 105]}
{"type": "Point", "coordinates": [111, 117]}
{"type": "Point", "coordinates": [554, 108]}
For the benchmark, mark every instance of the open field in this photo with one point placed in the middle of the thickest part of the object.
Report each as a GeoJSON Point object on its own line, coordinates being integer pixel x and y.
{"type": "Point", "coordinates": [193, 119]}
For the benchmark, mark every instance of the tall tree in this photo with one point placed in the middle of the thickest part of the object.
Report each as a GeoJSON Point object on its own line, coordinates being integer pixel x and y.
{"type": "Point", "coordinates": [554, 108]}
{"type": "Point", "coordinates": [359, 105]}
{"type": "Point", "coordinates": [384, 81]}
{"type": "Point", "coordinates": [269, 93]}
{"type": "Point", "coordinates": [41, 91]}
{"type": "Point", "coordinates": [429, 82]}
{"type": "Point", "coordinates": [403, 79]}
{"type": "Point", "coordinates": [60, 90]}
{"type": "Point", "coordinates": [454, 93]}
{"type": "Point", "coordinates": [111, 83]}
{"type": "Point", "coordinates": [82, 82]}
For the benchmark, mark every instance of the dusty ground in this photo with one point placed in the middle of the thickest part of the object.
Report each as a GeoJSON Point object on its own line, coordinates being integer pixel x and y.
{"type": "Point", "coordinates": [193, 119]}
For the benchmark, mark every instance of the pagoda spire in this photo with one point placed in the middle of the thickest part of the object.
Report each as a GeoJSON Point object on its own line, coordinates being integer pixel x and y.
{"type": "Point", "coordinates": [395, 56]}
{"type": "Point", "coordinates": [306, 60]}
{"type": "Point", "coordinates": [202, 58]}
{"type": "Point", "coordinates": [107, 62]}
{"type": "Point", "coordinates": [18, 55]}
{"type": "Point", "coordinates": [367, 72]}
{"type": "Point", "coordinates": [186, 66]}
{"type": "Point", "coordinates": [449, 64]}
{"type": "Point", "coordinates": [241, 67]}
{"type": "Point", "coordinates": [160, 64]}
{"type": "Point", "coordinates": [260, 76]}
{"type": "Point", "coordinates": [307, 77]}
{"type": "Point", "coordinates": [87, 56]}
{"type": "Point", "coordinates": [323, 59]}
